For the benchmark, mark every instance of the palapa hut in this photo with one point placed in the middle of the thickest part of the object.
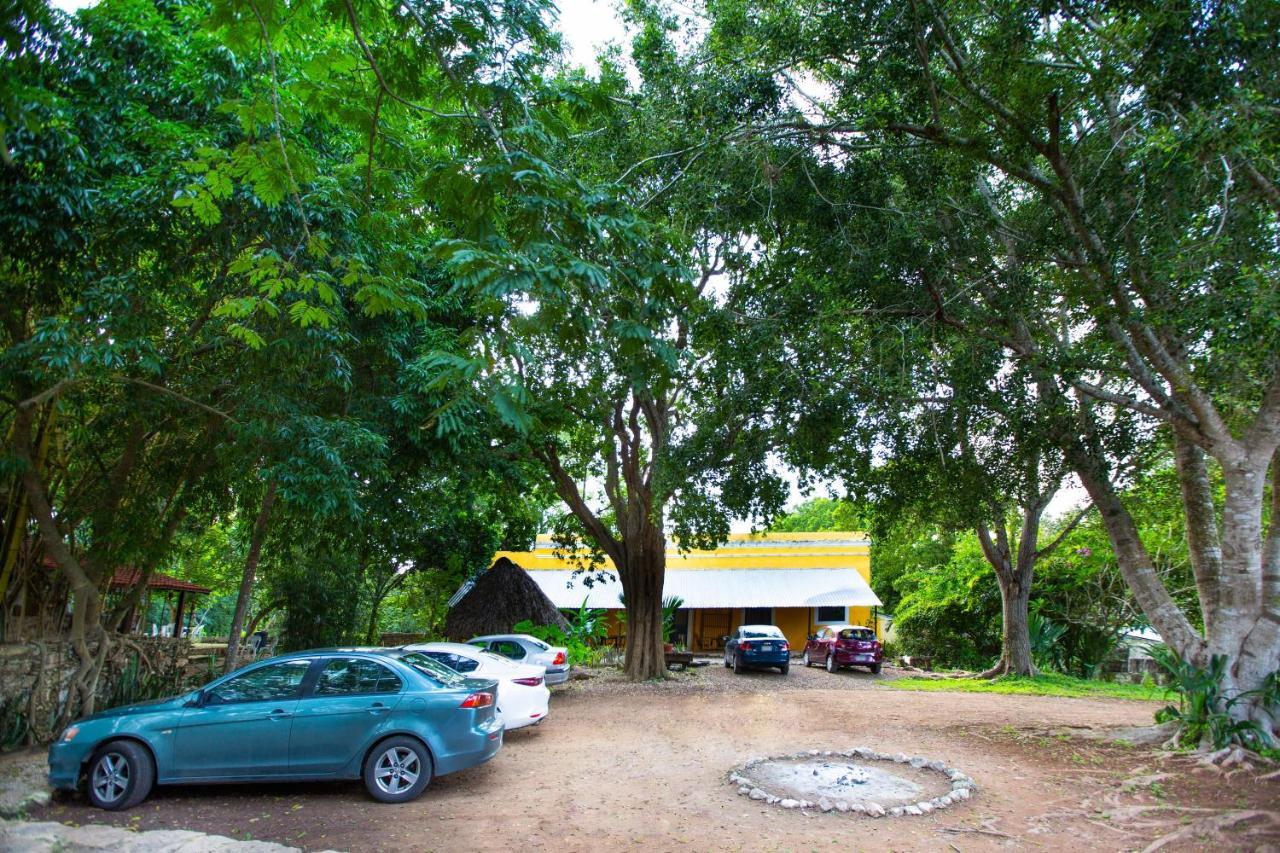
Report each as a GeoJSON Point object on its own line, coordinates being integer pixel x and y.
{"type": "Point", "coordinates": [495, 600]}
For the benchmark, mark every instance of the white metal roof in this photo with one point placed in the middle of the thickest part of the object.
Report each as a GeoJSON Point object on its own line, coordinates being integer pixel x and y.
{"type": "Point", "coordinates": [722, 588]}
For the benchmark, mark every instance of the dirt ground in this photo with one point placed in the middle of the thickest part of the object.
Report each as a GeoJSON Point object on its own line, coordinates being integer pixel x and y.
{"type": "Point", "coordinates": [644, 766]}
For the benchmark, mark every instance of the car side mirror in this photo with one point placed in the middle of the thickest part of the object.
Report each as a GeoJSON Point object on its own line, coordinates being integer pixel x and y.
{"type": "Point", "coordinates": [195, 701]}
{"type": "Point", "coordinates": [813, 636]}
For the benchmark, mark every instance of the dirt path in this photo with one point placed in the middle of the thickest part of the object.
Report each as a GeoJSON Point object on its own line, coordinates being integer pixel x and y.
{"type": "Point", "coordinates": [619, 766]}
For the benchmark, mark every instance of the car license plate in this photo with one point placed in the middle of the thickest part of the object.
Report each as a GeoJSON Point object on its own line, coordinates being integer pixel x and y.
{"type": "Point", "coordinates": [768, 647]}
{"type": "Point", "coordinates": [863, 657]}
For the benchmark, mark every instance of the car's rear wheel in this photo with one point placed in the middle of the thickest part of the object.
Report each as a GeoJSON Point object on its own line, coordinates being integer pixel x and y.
{"type": "Point", "coordinates": [875, 669]}
{"type": "Point", "coordinates": [121, 774]}
{"type": "Point", "coordinates": [831, 662]}
{"type": "Point", "coordinates": [738, 668]}
{"type": "Point", "coordinates": [398, 770]}
{"type": "Point", "coordinates": [785, 668]}
{"type": "Point", "coordinates": [805, 658]}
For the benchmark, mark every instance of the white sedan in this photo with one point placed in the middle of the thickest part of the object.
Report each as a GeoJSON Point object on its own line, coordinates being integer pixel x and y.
{"type": "Point", "coordinates": [523, 697]}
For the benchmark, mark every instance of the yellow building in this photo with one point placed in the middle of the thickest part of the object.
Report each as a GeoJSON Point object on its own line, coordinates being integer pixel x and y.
{"type": "Point", "coordinates": [797, 581]}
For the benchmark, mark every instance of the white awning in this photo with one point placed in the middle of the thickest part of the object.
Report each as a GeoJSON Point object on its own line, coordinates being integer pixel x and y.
{"type": "Point", "coordinates": [703, 588]}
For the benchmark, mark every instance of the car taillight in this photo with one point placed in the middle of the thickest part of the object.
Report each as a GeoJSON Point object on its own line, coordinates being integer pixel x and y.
{"type": "Point", "coordinates": [786, 647]}
{"type": "Point", "coordinates": [745, 646]}
{"type": "Point", "coordinates": [482, 699]}
{"type": "Point", "coordinates": [560, 658]}
{"type": "Point", "coordinates": [528, 682]}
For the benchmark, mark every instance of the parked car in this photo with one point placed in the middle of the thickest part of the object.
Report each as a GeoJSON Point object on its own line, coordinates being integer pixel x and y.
{"type": "Point", "coordinates": [326, 714]}
{"type": "Point", "coordinates": [524, 648]}
{"type": "Point", "coordinates": [523, 697]}
{"type": "Point", "coordinates": [754, 646]}
{"type": "Point", "coordinates": [844, 645]}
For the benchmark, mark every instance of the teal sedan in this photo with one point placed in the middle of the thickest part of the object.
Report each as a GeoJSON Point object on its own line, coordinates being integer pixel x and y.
{"type": "Point", "coordinates": [394, 722]}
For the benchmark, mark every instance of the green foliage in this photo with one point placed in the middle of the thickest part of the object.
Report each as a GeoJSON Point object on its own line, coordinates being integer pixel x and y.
{"type": "Point", "coordinates": [1046, 684]}
{"type": "Point", "coordinates": [1204, 709]}
{"type": "Point", "coordinates": [137, 684]}
{"type": "Point", "coordinates": [581, 652]}
{"type": "Point", "coordinates": [587, 624]}
{"type": "Point", "coordinates": [820, 514]}
{"type": "Point", "coordinates": [670, 605]}
{"type": "Point", "coordinates": [1046, 636]}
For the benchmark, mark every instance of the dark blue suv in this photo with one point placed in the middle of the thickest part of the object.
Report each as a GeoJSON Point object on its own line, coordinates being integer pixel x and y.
{"type": "Point", "coordinates": [754, 646]}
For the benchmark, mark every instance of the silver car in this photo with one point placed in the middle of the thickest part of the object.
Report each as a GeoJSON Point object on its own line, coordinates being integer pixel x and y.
{"type": "Point", "coordinates": [527, 649]}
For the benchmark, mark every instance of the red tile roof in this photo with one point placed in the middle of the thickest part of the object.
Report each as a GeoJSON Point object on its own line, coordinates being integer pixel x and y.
{"type": "Point", "coordinates": [126, 577]}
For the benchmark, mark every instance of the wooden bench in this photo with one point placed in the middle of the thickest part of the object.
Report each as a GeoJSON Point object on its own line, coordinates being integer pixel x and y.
{"type": "Point", "coordinates": [678, 660]}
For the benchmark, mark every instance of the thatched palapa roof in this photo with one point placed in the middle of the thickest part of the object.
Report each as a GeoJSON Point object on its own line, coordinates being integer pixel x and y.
{"type": "Point", "coordinates": [497, 600]}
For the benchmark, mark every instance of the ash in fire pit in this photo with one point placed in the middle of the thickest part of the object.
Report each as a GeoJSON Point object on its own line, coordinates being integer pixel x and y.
{"type": "Point", "coordinates": [857, 780]}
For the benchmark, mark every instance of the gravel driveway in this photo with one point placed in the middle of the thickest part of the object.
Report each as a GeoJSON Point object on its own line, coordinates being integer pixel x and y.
{"type": "Point", "coordinates": [621, 765]}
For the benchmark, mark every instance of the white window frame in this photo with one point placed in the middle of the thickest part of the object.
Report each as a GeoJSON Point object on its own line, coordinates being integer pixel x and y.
{"type": "Point", "coordinates": [843, 620]}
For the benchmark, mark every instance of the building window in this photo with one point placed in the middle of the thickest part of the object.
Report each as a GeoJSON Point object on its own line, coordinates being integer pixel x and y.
{"type": "Point", "coordinates": [757, 616]}
{"type": "Point", "coordinates": [829, 614]}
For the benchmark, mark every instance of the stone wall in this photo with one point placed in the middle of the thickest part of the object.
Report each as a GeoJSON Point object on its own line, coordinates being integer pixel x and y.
{"type": "Point", "coordinates": [35, 678]}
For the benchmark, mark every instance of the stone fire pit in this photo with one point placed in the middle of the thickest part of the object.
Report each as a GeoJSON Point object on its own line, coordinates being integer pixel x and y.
{"type": "Point", "coordinates": [854, 781]}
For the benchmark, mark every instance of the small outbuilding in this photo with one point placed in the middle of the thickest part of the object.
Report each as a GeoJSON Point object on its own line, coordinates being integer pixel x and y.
{"type": "Point", "coordinates": [495, 600]}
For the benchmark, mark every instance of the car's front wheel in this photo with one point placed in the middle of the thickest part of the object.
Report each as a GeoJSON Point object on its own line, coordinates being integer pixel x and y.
{"type": "Point", "coordinates": [831, 662]}
{"type": "Point", "coordinates": [805, 658]}
{"type": "Point", "coordinates": [398, 770]}
{"type": "Point", "coordinates": [121, 774]}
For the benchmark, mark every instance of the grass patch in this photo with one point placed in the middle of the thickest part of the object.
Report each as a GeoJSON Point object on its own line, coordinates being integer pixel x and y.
{"type": "Point", "coordinates": [1047, 684]}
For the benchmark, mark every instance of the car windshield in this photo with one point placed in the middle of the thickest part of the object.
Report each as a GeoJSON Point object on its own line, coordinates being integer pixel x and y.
{"type": "Point", "coordinates": [434, 669]}
{"type": "Point", "coordinates": [857, 634]}
{"type": "Point", "coordinates": [761, 633]}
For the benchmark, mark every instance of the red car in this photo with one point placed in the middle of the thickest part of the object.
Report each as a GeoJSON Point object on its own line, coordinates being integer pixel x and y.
{"type": "Point", "coordinates": [844, 645]}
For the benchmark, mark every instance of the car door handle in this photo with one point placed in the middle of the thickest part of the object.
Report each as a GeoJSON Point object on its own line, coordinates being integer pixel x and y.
{"type": "Point", "coordinates": [279, 714]}
{"type": "Point", "coordinates": [378, 708]}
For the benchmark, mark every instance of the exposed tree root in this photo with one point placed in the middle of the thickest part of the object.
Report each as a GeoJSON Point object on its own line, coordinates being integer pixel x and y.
{"type": "Point", "coordinates": [1265, 825]}
{"type": "Point", "coordinates": [1231, 761]}
{"type": "Point", "coordinates": [1003, 667]}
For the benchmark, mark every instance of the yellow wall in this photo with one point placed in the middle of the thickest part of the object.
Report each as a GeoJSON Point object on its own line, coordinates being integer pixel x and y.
{"type": "Point", "coordinates": [741, 551]}
{"type": "Point", "coordinates": [796, 623]}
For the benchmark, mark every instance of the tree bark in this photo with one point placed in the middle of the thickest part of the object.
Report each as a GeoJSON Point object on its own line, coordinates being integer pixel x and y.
{"type": "Point", "coordinates": [642, 576]}
{"type": "Point", "coordinates": [1015, 594]}
{"type": "Point", "coordinates": [1015, 641]}
{"type": "Point", "coordinates": [246, 580]}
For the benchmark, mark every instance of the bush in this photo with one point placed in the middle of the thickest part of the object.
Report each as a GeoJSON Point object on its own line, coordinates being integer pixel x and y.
{"type": "Point", "coordinates": [1204, 710]}
{"type": "Point", "coordinates": [580, 653]}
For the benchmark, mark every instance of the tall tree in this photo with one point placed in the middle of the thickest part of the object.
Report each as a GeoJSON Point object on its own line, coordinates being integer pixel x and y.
{"type": "Point", "coordinates": [1093, 189]}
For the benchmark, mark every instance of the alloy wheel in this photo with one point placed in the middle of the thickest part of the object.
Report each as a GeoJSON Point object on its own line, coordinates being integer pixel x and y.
{"type": "Point", "coordinates": [397, 770]}
{"type": "Point", "coordinates": [110, 777]}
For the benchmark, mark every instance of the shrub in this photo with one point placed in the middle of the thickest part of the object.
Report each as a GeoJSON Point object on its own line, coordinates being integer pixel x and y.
{"type": "Point", "coordinates": [1204, 709]}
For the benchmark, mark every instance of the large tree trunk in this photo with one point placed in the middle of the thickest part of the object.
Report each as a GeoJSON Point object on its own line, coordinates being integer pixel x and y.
{"type": "Point", "coordinates": [246, 580]}
{"type": "Point", "coordinates": [1234, 569]}
{"type": "Point", "coordinates": [1015, 643]}
{"type": "Point", "coordinates": [642, 577]}
{"type": "Point", "coordinates": [1014, 574]}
